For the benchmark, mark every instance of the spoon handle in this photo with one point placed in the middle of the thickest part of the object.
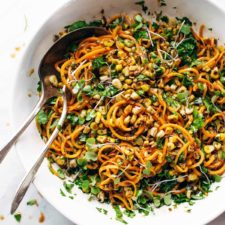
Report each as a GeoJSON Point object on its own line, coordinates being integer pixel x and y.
{"type": "Point", "coordinates": [5, 149]}
{"type": "Point", "coordinates": [29, 177]}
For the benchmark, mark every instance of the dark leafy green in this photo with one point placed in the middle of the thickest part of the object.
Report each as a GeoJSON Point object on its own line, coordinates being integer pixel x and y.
{"type": "Point", "coordinates": [187, 50]}
{"type": "Point", "coordinates": [98, 62]}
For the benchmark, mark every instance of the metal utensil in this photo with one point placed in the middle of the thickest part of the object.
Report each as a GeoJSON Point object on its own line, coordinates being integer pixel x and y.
{"type": "Point", "coordinates": [29, 177]}
{"type": "Point", "coordinates": [46, 68]}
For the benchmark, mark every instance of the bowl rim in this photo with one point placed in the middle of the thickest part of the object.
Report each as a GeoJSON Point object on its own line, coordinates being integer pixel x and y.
{"type": "Point", "coordinates": [29, 41]}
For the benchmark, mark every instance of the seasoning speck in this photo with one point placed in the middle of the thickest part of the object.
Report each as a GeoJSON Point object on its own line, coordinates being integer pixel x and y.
{"type": "Point", "coordinates": [2, 217]}
{"type": "Point", "coordinates": [41, 218]}
{"type": "Point", "coordinates": [31, 72]}
{"type": "Point", "coordinates": [17, 49]}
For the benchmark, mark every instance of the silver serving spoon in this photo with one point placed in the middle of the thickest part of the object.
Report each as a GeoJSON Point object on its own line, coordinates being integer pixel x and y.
{"type": "Point", "coordinates": [54, 54]}
{"type": "Point", "coordinates": [46, 68]}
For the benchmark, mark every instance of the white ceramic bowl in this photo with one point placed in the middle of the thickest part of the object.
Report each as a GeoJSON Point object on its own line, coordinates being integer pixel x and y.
{"type": "Point", "coordinates": [80, 210]}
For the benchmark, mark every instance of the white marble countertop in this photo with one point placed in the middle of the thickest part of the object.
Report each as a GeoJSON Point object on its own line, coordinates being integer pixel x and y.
{"type": "Point", "coordinates": [19, 19]}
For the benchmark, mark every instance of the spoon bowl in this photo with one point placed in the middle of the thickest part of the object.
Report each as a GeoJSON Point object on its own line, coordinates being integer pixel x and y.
{"type": "Point", "coordinates": [47, 69]}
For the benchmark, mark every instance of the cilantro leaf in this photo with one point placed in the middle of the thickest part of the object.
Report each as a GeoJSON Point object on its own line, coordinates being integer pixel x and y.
{"type": "Point", "coordinates": [42, 117]}
{"type": "Point", "coordinates": [32, 202]}
{"type": "Point", "coordinates": [68, 186]}
{"type": "Point", "coordinates": [198, 121]}
{"type": "Point", "coordinates": [146, 171]}
{"type": "Point", "coordinates": [143, 34]}
{"type": "Point", "coordinates": [208, 104]}
{"type": "Point", "coordinates": [18, 217]}
{"type": "Point", "coordinates": [116, 22]}
{"type": "Point", "coordinates": [187, 50]}
{"type": "Point", "coordinates": [61, 173]}
{"type": "Point", "coordinates": [76, 25]}
{"type": "Point", "coordinates": [72, 119]}
{"type": "Point", "coordinates": [185, 29]}
{"type": "Point", "coordinates": [98, 63]}
{"type": "Point", "coordinates": [187, 81]}
{"type": "Point", "coordinates": [81, 23]}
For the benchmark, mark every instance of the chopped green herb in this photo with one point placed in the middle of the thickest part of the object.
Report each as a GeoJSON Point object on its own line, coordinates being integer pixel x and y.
{"type": "Point", "coordinates": [185, 20]}
{"type": "Point", "coordinates": [187, 50]}
{"type": "Point", "coordinates": [62, 193]}
{"type": "Point", "coordinates": [164, 19]}
{"type": "Point", "coordinates": [82, 162]}
{"type": "Point", "coordinates": [143, 34]}
{"type": "Point", "coordinates": [61, 173]}
{"type": "Point", "coordinates": [72, 119]}
{"type": "Point", "coordinates": [172, 102]}
{"type": "Point", "coordinates": [68, 186]}
{"type": "Point", "coordinates": [81, 23]}
{"type": "Point", "coordinates": [196, 63]}
{"type": "Point", "coordinates": [185, 29]}
{"type": "Point", "coordinates": [54, 124]}
{"type": "Point", "coordinates": [42, 117]}
{"type": "Point", "coordinates": [198, 121]}
{"type": "Point", "coordinates": [76, 25]}
{"type": "Point", "coordinates": [18, 217]}
{"type": "Point", "coordinates": [59, 127]}
{"type": "Point", "coordinates": [119, 214]}
{"type": "Point", "coordinates": [39, 88]}
{"type": "Point", "coordinates": [32, 202]}
{"type": "Point", "coordinates": [98, 63]}
{"type": "Point", "coordinates": [129, 213]}
{"type": "Point", "coordinates": [208, 104]}
{"type": "Point", "coordinates": [217, 178]}
{"type": "Point", "coordinates": [146, 171]}
{"type": "Point", "coordinates": [187, 81]}
{"type": "Point", "coordinates": [101, 210]}
{"type": "Point", "coordinates": [116, 22]}
{"type": "Point", "coordinates": [96, 23]}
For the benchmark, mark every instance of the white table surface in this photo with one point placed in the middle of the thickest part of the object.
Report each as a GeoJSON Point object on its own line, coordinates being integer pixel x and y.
{"type": "Point", "coordinates": [19, 20]}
